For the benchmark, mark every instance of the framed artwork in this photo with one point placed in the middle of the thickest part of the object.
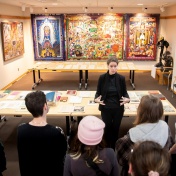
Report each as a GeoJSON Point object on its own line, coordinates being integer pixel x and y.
{"type": "Point", "coordinates": [48, 37]}
{"type": "Point", "coordinates": [94, 36]}
{"type": "Point", "coordinates": [12, 39]}
{"type": "Point", "coordinates": [141, 36]}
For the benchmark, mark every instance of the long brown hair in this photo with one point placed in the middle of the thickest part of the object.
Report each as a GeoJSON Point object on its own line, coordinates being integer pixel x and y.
{"type": "Point", "coordinates": [77, 149]}
{"type": "Point", "coordinates": [149, 110]}
{"type": "Point", "coordinates": [149, 156]}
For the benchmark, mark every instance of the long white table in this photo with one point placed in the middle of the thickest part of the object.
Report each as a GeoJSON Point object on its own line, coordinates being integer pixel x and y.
{"type": "Point", "coordinates": [12, 104]}
{"type": "Point", "coordinates": [80, 67]}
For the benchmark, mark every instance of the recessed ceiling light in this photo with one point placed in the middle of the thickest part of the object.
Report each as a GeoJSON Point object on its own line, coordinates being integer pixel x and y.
{"type": "Point", "coordinates": [140, 4]}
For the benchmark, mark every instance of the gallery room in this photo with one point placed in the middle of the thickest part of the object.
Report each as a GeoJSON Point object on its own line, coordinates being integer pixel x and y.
{"type": "Point", "coordinates": [62, 47]}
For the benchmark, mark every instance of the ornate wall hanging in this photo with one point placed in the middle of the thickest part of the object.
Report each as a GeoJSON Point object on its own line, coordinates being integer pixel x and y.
{"type": "Point", "coordinates": [48, 37]}
{"type": "Point", "coordinates": [141, 36]}
{"type": "Point", "coordinates": [94, 36]}
{"type": "Point", "coordinates": [12, 39]}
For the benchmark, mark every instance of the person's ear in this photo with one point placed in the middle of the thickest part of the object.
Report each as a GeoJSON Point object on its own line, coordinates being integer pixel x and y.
{"type": "Point", "coordinates": [130, 170]}
{"type": "Point", "coordinates": [45, 107]}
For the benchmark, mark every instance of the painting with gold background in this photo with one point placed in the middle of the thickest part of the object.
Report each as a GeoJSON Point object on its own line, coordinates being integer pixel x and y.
{"type": "Point", "coordinates": [48, 37]}
{"type": "Point", "coordinates": [141, 36]}
{"type": "Point", "coordinates": [12, 39]}
{"type": "Point", "coordinates": [94, 36]}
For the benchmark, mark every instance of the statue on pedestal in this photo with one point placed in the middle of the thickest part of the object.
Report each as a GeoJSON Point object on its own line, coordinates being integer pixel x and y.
{"type": "Point", "coordinates": [161, 44]}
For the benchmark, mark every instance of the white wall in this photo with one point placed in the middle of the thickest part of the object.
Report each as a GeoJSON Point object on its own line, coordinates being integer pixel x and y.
{"type": "Point", "coordinates": [12, 69]}
{"type": "Point", "coordinates": [170, 32]}
{"type": "Point", "coordinates": [9, 69]}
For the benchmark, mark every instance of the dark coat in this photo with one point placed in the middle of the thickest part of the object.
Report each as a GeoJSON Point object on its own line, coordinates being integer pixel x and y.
{"type": "Point", "coordinates": [2, 159]}
{"type": "Point", "coordinates": [103, 84]}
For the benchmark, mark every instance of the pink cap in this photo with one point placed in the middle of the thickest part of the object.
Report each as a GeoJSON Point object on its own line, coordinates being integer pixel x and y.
{"type": "Point", "coordinates": [90, 130]}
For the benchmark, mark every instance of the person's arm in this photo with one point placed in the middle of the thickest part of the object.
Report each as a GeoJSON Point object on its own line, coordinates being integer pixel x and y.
{"type": "Point", "coordinates": [2, 158]}
{"type": "Point", "coordinates": [123, 149]}
{"type": "Point", "coordinates": [67, 167]}
{"type": "Point", "coordinates": [115, 168]}
{"type": "Point", "coordinates": [98, 92]}
{"type": "Point", "coordinates": [173, 149]}
{"type": "Point", "coordinates": [170, 140]}
{"type": "Point", "coordinates": [125, 97]}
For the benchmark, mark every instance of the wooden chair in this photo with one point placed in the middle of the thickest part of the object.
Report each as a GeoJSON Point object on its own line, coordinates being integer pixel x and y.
{"type": "Point", "coordinates": [167, 75]}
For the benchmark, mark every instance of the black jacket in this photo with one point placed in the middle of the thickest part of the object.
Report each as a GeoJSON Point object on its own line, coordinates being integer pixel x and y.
{"type": "Point", "coordinates": [103, 84]}
{"type": "Point", "coordinates": [2, 158]}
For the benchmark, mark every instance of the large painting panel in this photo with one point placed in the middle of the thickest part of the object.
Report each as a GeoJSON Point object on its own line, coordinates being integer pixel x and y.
{"type": "Point", "coordinates": [48, 37]}
{"type": "Point", "coordinates": [94, 36]}
{"type": "Point", "coordinates": [12, 39]}
{"type": "Point", "coordinates": [141, 36]}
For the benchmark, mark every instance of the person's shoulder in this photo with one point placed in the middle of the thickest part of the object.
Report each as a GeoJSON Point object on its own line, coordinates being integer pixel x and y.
{"type": "Point", "coordinates": [57, 129]}
{"type": "Point", "coordinates": [22, 125]}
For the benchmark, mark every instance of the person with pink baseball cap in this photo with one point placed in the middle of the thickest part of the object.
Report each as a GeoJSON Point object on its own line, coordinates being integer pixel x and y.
{"type": "Point", "coordinates": [88, 155]}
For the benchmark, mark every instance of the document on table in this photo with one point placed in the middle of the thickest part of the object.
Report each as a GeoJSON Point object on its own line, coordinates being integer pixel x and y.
{"type": "Point", "coordinates": [84, 94]}
{"type": "Point", "coordinates": [66, 108]}
{"type": "Point", "coordinates": [75, 99]}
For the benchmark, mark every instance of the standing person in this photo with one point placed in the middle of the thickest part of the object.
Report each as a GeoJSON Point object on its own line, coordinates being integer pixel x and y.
{"type": "Point", "coordinates": [111, 95]}
{"type": "Point", "coordinates": [2, 159]}
{"type": "Point", "coordinates": [88, 155]}
{"type": "Point", "coordinates": [148, 158]}
{"type": "Point", "coordinates": [148, 125]}
{"type": "Point", "coordinates": [41, 147]}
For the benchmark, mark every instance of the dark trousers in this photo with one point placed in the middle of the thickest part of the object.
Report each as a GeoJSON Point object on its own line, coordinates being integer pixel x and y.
{"type": "Point", "coordinates": [112, 119]}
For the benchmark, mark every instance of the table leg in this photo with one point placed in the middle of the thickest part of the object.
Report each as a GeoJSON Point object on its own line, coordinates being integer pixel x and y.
{"type": "Point", "coordinates": [67, 125]}
{"type": "Point", "coordinates": [86, 78]}
{"type": "Point", "coordinates": [132, 73]}
{"type": "Point", "coordinates": [80, 78]}
{"type": "Point", "coordinates": [34, 79]}
{"type": "Point", "coordinates": [2, 117]}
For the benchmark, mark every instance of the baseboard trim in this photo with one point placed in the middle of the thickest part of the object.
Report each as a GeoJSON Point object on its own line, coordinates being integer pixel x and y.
{"type": "Point", "coordinates": [10, 84]}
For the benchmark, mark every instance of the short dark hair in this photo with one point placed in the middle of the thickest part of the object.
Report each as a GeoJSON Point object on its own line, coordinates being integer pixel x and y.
{"type": "Point", "coordinates": [149, 110]}
{"type": "Point", "coordinates": [35, 102]}
{"type": "Point", "coordinates": [149, 156]}
{"type": "Point", "coordinates": [112, 58]}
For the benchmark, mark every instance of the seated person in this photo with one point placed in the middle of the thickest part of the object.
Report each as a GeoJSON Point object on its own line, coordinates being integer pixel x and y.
{"type": "Point", "coordinates": [41, 147]}
{"type": "Point", "coordinates": [148, 125]}
{"type": "Point", "coordinates": [87, 151]}
{"type": "Point", "coordinates": [148, 158]}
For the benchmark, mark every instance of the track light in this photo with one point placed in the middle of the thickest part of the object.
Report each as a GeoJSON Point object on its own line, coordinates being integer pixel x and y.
{"type": "Point", "coordinates": [23, 7]}
{"type": "Point", "coordinates": [162, 9]}
{"type": "Point", "coordinates": [31, 10]}
{"type": "Point", "coordinates": [110, 8]}
{"type": "Point", "coordinates": [144, 9]}
{"type": "Point", "coordinates": [46, 9]}
{"type": "Point", "coordinates": [85, 9]}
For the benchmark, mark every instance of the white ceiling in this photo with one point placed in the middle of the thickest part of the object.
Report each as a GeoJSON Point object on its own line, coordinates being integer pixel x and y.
{"type": "Point", "coordinates": [89, 3]}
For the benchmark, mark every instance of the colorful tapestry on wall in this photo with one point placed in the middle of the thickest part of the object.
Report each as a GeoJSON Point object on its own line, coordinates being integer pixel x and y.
{"type": "Point", "coordinates": [48, 37]}
{"type": "Point", "coordinates": [12, 39]}
{"type": "Point", "coordinates": [94, 36]}
{"type": "Point", "coordinates": [141, 36]}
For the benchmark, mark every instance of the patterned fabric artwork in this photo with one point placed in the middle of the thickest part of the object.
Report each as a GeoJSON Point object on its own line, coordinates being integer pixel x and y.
{"type": "Point", "coordinates": [48, 37]}
{"type": "Point", "coordinates": [95, 36]}
{"type": "Point", "coordinates": [12, 39]}
{"type": "Point", "coordinates": [141, 38]}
